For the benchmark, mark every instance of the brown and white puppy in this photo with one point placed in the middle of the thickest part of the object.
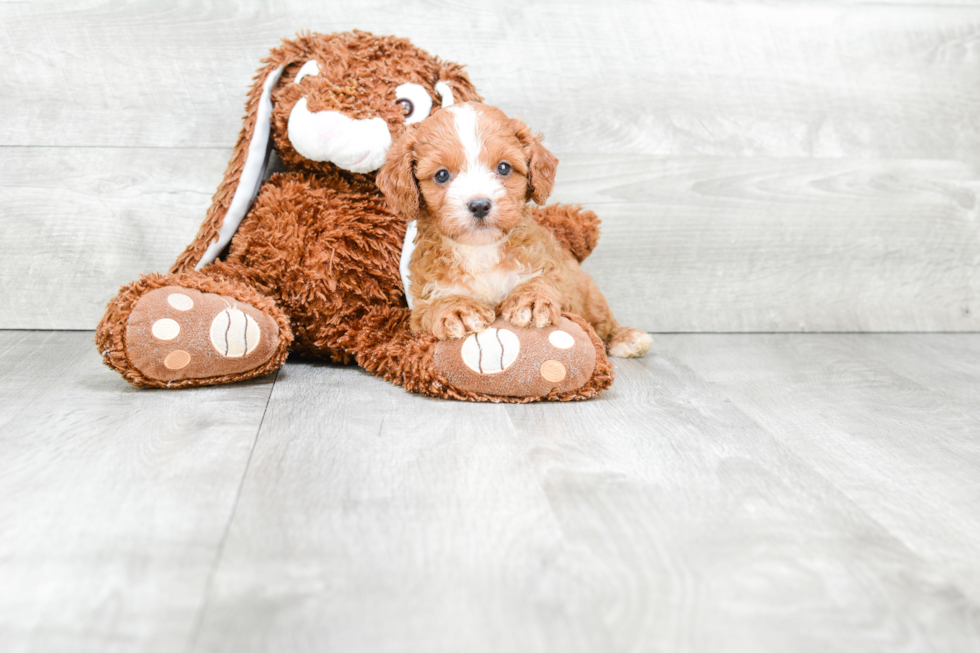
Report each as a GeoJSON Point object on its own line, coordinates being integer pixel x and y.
{"type": "Point", "coordinates": [466, 174]}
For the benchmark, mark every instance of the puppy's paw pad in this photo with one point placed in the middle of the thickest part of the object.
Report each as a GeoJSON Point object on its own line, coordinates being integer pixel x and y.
{"type": "Point", "coordinates": [454, 328]}
{"type": "Point", "coordinates": [630, 343]}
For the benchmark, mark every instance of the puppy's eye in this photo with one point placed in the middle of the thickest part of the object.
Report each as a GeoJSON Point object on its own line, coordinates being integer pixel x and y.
{"type": "Point", "coordinates": [441, 176]}
{"type": "Point", "coordinates": [414, 101]}
{"type": "Point", "coordinates": [503, 168]}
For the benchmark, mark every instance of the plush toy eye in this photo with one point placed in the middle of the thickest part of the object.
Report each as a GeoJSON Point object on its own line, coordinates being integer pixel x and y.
{"type": "Point", "coordinates": [503, 169]}
{"type": "Point", "coordinates": [442, 176]}
{"type": "Point", "coordinates": [414, 101]}
{"type": "Point", "coordinates": [407, 107]}
{"type": "Point", "coordinates": [309, 68]}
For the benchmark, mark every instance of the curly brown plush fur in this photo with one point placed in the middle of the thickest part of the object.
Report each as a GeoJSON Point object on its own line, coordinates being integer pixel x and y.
{"type": "Point", "coordinates": [318, 250]}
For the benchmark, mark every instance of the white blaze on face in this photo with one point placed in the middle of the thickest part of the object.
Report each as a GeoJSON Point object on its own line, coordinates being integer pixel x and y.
{"type": "Point", "coordinates": [476, 179]}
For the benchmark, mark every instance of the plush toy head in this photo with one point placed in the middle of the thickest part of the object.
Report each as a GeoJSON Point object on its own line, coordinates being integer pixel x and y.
{"type": "Point", "coordinates": [342, 99]}
{"type": "Point", "coordinates": [331, 104]}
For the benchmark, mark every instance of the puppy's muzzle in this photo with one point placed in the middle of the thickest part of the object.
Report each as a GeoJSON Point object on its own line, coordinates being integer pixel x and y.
{"type": "Point", "coordinates": [479, 207]}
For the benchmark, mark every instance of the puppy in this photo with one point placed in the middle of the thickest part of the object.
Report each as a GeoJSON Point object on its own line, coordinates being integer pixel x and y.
{"type": "Point", "coordinates": [466, 174]}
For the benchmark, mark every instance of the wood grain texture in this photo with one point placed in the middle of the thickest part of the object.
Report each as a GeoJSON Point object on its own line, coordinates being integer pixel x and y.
{"type": "Point", "coordinates": [660, 517]}
{"type": "Point", "coordinates": [113, 500]}
{"type": "Point", "coordinates": [707, 534]}
{"type": "Point", "coordinates": [773, 166]}
{"type": "Point", "coordinates": [891, 420]}
{"type": "Point", "coordinates": [678, 77]}
{"type": "Point", "coordinates": [80, 222]}
{"type": "Point", "coordinates": [753, 244]}
{"type": "Point", "coordinates": [689, 245]}
{"type": "Point", "coordinates": [732, 493]}
{"type": "Point", "coordinates": [415, 523]}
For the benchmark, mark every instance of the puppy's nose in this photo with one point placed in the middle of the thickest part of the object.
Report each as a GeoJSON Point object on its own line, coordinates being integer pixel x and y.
{"type": "Point", "coordinates": [479, 207]}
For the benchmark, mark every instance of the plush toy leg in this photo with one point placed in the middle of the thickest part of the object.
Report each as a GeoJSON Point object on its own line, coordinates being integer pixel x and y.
{"type": "Point", "coordinates": [188, 329]}
{"type": "Point", "coordinates": [504, 363]}
{"type": "Point", "coordinates": [509, 361]}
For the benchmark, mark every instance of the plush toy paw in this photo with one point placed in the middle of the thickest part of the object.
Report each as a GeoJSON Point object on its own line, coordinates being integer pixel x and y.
{"type": "Point", "coordinates": [630, 343]}
{"type": "Point", "coordinates": [530, 308]}
{"type": "Point", "coordinates": [176, 333]}
{"type": "Point", "coordinates": [508, 361]}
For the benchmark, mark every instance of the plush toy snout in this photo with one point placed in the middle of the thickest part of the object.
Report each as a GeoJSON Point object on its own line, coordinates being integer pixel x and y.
{"type": "Point", "coordinates": [355, 145]}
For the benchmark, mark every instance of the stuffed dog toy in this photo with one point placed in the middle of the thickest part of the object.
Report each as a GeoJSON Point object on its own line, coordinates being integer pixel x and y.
{"type": "Point", "coordinates": [311, 259]}
{"type": "Point", "coordinates": [467, 174]}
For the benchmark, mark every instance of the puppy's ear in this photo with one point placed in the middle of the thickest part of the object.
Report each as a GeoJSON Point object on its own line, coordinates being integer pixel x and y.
{"type": "Point", "coordinates": [541, 163]}
{"type": "Point", "coordinates": [396, 178]}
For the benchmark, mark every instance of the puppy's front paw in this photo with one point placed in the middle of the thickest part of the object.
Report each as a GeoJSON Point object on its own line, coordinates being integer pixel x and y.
{"type": "Point", "coordinates": [526, 308]}
{"type": "Point", "coordinates": [460, 319]}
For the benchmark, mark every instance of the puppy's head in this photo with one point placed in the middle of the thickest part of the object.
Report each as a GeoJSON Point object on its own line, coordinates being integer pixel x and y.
{"type": "Point", "coordinates": [469, 169]}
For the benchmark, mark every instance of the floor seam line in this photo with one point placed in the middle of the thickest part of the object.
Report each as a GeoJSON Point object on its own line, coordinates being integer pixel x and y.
{"type": "Point", "coordinates": [219, 553]}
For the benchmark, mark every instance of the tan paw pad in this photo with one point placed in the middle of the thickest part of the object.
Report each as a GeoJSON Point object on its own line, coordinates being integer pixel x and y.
{"type": "Point", "coordinates": [180, 301]}
{"type": "Point", "coordinates": [165, 329]}
{"type": "Point", "coordinates": [178, 333]}
{"type": "Point", "coordinates": [561, 339]}
{"type": "Point", "coordinates": [553, 371]}
{"type": "Point", "coordinates": [234, 334]}
{"type": "Point", "coordinates": [177, 360]}
{"type": "Point", "coordinates": [512, 361]}
{"type": "Point", "coordinates": [491, 351]}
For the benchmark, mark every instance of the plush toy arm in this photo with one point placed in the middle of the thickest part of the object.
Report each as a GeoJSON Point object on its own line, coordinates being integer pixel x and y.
{"type": "Point", "coordinates": [574, 228]}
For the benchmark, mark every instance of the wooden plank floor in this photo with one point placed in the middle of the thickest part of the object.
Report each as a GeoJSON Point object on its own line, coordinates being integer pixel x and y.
{"type": "Point", "coordinates": [801, 492]}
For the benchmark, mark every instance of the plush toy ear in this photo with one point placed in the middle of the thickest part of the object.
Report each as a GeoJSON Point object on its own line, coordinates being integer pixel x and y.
{"type": "Point", "coordinates": [243, 175]}
{"type": "Point", "coordinates": [451, 75]}
{"type": "Point", "coordinates": [396, 178]}
{"type": "Point", "coordinates": [541, 163]}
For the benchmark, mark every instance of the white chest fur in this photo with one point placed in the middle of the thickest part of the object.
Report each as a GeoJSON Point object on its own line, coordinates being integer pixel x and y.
{"type": "Point", "coordinates": [486, 273]}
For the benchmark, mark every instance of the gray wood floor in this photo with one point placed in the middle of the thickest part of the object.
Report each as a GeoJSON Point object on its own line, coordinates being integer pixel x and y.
{"type": "Point", "coordinates": [800, 492]}
{"type": "Point", "coordinates": [758, 167]}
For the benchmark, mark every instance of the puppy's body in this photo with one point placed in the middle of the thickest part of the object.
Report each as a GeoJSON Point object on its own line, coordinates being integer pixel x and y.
{"type": "Point", "coordinates": [466, 174]}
